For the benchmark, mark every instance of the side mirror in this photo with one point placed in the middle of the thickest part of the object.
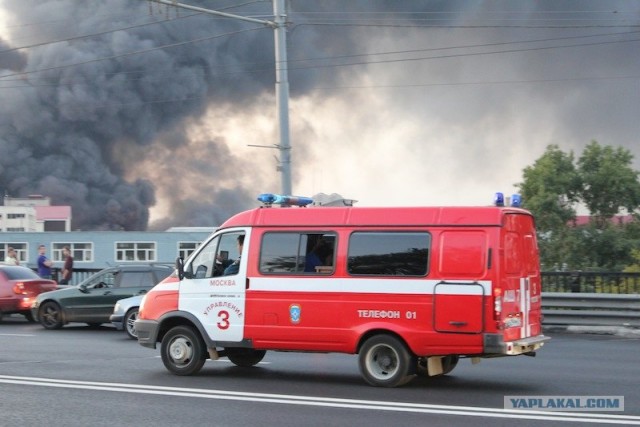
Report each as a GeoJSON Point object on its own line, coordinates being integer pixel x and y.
{"type": "Point", "coordinates": [180, 267]}
{"type": "Point", "coordinates": [82, 288]}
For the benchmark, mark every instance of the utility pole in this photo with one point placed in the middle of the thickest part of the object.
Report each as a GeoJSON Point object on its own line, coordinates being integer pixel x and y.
{"type": "Point", "coordinates": [282, 79]}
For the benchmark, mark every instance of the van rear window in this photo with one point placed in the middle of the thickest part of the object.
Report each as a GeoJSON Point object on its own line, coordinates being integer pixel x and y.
{"type": "Point", "coordinates": [389, 253]}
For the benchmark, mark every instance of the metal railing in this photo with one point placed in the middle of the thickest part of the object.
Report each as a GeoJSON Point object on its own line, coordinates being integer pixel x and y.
{"type": "Point", "coordinates": [591, 282]}
{"type": "Point", "coordinates": [590, 309]}
{"type": "Point", "coordinates": [568, 298]}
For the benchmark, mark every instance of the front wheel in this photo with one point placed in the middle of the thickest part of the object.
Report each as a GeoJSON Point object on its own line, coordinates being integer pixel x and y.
{"type": "Point", "coordinates": [384, 361]}
{"type": "Point", "coordinates": [129, 323]}
{"type": "Point", "coordinates": [50, 315]}
{"type": "Point", "coordinates": [245, 357]}
{"type": "Point", "coordinates": [183, 351]}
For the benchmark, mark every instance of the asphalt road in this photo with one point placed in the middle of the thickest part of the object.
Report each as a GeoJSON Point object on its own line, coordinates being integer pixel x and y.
{"type": "Point", "coordinates": [80, 376]}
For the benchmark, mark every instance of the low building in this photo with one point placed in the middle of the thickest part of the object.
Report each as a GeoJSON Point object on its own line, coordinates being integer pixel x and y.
{"type": "Point", "coordinates": [100, 249]}
{"type": "Point", "coordinates": [33, 214]}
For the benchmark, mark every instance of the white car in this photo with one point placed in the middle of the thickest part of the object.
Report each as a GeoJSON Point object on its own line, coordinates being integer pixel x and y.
{"type": "Point", "coordinates": [125, 314]}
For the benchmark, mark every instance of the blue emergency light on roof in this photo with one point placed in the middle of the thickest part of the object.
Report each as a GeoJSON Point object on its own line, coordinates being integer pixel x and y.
{"type": "Point", "coordinates": [515, 200]}
{"type": "Point", "coordinates": [276, 199]}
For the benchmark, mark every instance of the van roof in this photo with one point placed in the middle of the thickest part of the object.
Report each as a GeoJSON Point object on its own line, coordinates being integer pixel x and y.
{"type": "Point", "coordinates": [372, 216]}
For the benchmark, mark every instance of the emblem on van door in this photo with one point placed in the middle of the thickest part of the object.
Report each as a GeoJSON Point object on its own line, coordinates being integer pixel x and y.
{"type": "Point", "coordinates": [294, 313]}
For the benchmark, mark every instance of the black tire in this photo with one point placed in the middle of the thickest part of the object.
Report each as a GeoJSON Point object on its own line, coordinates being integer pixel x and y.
{"type": "Point", "coordinates": [129, 323]}
{"type": "Point", "coordinates": [50, 315]}
{"type": "Point", "coordinates": [245, 357]}
{"type": "Point", "coordinates": [183, 351]}
{"type": "Point", "coordinates": [28, 315]}
{"type": "Point", "coordinates": [385, 361]}
{"type": "Point", "coordinates": [448, 363]}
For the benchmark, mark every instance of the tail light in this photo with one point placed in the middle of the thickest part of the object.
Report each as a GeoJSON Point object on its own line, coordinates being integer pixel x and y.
{"type": "Point", "coordinates": [497, 303]}
{"type": "Point", "coordinates": [19, 289]}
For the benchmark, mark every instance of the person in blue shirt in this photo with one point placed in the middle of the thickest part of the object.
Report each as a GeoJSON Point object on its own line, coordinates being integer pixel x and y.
{"type": "Point", "coordinates": [44, 263]}
{"type": "Point", "coordinates": [319, 255]}
{"type": "Point", "coordinates": [234, 267]}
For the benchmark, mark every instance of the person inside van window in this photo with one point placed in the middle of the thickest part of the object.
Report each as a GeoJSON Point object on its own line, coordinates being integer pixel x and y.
{"type": "Point", "coordinates": [234, 267]}
{"type": "Point", "coordinates": [320, 255]}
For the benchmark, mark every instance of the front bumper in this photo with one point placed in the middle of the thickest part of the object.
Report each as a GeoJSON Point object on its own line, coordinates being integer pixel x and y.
{"type": "Point", "coordinates": [117, 320]}
{"type": "Point", "coordinates": [147, 331]}
{"type": "Point", "coordinates": [35, 306]}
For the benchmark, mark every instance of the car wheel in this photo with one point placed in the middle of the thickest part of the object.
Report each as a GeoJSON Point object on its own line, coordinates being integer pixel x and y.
{"type": "Point", "coordinates": [245, 357]}
{"type": "Point", "coordinates": [129, 323]}
{"type": "Point", "coordinates": [50, 315]}
{"type": "Point", "coordinates": [183, 351]}
{"type": "Point", "coordinates": [384, 361]}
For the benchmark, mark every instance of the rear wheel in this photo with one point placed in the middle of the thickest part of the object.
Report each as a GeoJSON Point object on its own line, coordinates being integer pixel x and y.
{"type": "Point", "coordinates": [129, 323]}
{"type": "Point", "coordinates": [50, 315]}
{"type": "Point", "coordinates": [245, 357]}
{"type": "Point", "coordinates": [183, 351]}
{"type": "Point", "coordinates": [385, 361]}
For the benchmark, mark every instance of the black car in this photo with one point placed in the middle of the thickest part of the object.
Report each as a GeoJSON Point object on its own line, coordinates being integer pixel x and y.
{"type": "Point", "coordinates": [93, 299]}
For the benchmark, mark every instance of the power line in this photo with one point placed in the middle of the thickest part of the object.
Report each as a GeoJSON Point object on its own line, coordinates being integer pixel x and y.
{"type": "Point", "coordinates": [59, 67]}
{"type": "Point", "coordinates": [95, 34]}
{"type": "Point", "coordinates": [360, 55]}
{"type": "Point", "coordinates": [476, 83]}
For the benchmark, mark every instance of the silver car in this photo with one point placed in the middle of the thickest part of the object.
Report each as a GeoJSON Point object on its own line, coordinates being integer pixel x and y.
{"type": "Point", "coordinates": [125, 314]}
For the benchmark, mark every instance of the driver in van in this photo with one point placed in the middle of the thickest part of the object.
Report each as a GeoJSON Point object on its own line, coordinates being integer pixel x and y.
{"type": "Point", "coordinates": [234, 267]}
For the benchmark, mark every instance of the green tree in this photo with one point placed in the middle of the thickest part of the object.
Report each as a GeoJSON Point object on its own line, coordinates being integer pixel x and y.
{"type": "Point", "coordinates": [603, 181]}
{"type": "Point", "coordinates": [609, 183]}
{"type": "Point", "coordinates": [635, 266]}
{"type": "Point", "coordinates": [550, 189]}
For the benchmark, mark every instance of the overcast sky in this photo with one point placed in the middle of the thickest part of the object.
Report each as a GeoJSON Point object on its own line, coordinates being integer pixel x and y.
{"type": "Point", "coordinates": [392, 102]}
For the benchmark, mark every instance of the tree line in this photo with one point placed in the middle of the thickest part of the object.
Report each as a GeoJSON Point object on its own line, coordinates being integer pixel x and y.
{"type": "Point", "coordinates": [602, 184]}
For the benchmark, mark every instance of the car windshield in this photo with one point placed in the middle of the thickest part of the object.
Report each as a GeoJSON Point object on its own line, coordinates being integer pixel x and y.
{"type": "Point", "coordinates": [105, 277]}
{"type": "Point", "coordinates": [19, 273]}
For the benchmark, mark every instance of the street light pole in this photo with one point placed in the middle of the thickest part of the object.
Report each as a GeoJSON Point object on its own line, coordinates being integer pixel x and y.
{"type": "Point", "coordinates": [282, 93]}
{"type": "Point", "coordinates": [282, 79]}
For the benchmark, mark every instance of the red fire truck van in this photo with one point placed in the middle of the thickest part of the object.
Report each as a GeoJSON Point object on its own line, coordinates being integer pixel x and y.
{"type": "Point", "coordinates": [410, 290]}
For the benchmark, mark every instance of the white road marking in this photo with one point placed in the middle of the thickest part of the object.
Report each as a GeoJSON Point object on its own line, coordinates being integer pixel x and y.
{"type": "Point", "coordinates": [371, 405]}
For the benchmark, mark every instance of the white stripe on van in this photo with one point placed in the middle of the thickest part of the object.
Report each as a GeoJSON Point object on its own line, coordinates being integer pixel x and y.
{"type": "Point", "coordinates": [369, 285]}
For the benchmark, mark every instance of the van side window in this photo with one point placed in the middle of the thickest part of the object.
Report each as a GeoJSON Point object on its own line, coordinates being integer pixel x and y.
{"type": "Point", "coordinates": [297, 252]}
{"type": "Point", "coordinates": [216, 256]}
{"type": "Point", "coordinates": [389, 253]}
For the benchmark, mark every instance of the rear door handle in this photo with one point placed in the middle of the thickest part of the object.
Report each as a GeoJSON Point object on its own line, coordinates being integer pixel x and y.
{"type": "Point", "coordinates": [454, 323]}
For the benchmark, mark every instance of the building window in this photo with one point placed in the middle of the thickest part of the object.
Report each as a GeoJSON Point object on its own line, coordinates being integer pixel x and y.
{"type": "Point", "coordinates": [81, 252]}
{"type": "Point", "coordinates": [388, 253]}
{"type": "Point", "coordinates": [186, 248]}
{"type": "Point", "coordinates": [135, 251]}
{"type": "Point", "coordinates": [14, 229]}
{"type": "Point", "coordinates": [21, 251]}
{"type": "Point", "coordinates": [15, 215]}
